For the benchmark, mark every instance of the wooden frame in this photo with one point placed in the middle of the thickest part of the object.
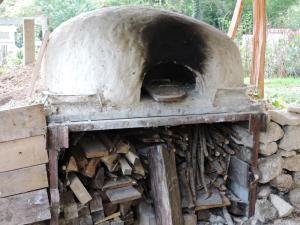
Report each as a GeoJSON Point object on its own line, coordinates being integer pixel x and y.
{"type": "Point", "coordinates": [257, 73]}
{"type": "Point", "coordinates": [58, 139]}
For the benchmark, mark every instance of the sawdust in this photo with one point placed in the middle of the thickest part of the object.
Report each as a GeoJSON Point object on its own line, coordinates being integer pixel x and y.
{"type": "Point", "coordinates": [15, 85]}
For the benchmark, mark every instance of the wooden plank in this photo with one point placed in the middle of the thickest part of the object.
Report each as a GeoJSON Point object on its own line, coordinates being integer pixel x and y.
{"type": "Point", "coordinates": [259, 45]}
{"type": "Point", "coordinates": [154, 121]}
{"type": "Point", "coordinates": [165, 186]}
{"type": "Point", "coordinates": [22, 122]}
{"type": "Point", "coordinates": [25, 208]}
{"type": "Point", "coordinates": [236, 18]}
{"type": "Point", "coordinates": [23, 153]}
{"type": "Point", "coordinates": [79, 190]}
{"type": "Point", "coordinates": [124, 194]}
{"type": "Point", "coordinates": [23, 180]}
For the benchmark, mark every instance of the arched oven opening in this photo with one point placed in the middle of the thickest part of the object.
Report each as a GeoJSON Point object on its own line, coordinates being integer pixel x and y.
{"type": "Point", "coordinates": [168, 82]}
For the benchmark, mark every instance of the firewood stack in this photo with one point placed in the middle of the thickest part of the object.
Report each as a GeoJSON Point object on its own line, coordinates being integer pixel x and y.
{"type": "Point", "coordinates": [104, 175]}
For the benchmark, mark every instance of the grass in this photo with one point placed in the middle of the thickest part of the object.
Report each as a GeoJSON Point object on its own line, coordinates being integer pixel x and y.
{"type": "Point", "coordinates": [281, 91]}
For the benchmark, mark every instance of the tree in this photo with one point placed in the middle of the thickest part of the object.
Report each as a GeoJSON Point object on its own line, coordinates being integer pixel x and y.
{"type": "Point", "coordinates": [59, 11]}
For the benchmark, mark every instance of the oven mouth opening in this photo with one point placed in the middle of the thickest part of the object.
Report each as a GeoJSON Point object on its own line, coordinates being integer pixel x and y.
{"type": "Point", "coordinates": [168, 82]}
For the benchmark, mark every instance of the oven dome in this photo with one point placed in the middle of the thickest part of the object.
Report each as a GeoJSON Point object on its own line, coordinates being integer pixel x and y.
{"type": "Point", "coordinates": [111, 51]}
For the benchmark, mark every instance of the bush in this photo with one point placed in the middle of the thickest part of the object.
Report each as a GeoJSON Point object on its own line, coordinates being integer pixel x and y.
{"type": "Point", "coordinates": [16, 58]}
{"type": "Point", "coordinates": [282, 56]}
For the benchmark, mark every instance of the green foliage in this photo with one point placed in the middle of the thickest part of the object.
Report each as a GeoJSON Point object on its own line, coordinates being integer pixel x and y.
{"type": "Point", "coordinates": [59, 11]}
{"type": "Point", "coordinates": [16, 58]}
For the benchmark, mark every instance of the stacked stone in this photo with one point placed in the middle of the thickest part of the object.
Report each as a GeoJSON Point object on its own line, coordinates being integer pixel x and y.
{"type": "Point", "coordinates": [279, 168]}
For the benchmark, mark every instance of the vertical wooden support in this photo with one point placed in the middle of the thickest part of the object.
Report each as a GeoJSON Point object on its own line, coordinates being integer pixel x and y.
{"type": "Point", "coordinates": [236, 18]}
{"type": "Point", "coordinates": [257, 124]}
{"type": "Point", "coordinates": [259, 45]}
{"type": "Point", "coordinates": [57, 137]}
{"type": "Point", "coordinates": [28, 41]}
{"type": "Point", "coordinates": [165, 186]}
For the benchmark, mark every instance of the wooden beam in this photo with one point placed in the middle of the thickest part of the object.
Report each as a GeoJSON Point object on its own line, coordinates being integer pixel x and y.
{"type": "Point", "coordinates": [236, 18]}
{"type": "Point", "coordinates": [259, 45]}
{"type": "Point", "coordinates": [29, 41]}
{"type": "Point", "coordinates": [165, 186]}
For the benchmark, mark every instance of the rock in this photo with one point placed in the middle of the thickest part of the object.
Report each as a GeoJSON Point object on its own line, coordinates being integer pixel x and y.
{"type": "Point", "coordinates": [296, 179]}
{"type": "Point", "coordinates": [273, 133]}
{"type": "Point", "coordinates": [284, 117]}
{"type": "Point", "coordinates": [216, 220]}
{"type": "Point", "coordinates": [294, 221]}
{"type": "Point", "coordinates": [294, 198]}
{"type": "Point", "coordinates": [292, 163]}
{"type": "Point", "coordinates": [264, 210]}
{"type": "Point", "coordinates": [286, 154]}
{"type": "Point", "coordinates": [283, 182]}
{"type": "Point", "coordinates": [264, 191]}
{"type": "Point", "coordinates": [268, 148]}
{"type": "Point", "coordinates": [290, 140]}
{"type": "Point", "coordinates": [251, 221]}
{"type": "Point", "coordinates": [269, 168]}
{"type": "Point", "coordinates": [294, 108]}
{"type": "Point", "coordinates": [246, 137]}
{"type": "Point", "coordinates": [284, 208]}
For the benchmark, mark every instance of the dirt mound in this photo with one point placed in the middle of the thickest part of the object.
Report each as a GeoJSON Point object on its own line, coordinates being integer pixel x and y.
{"type": "Point", "coordinates": [15, 85]}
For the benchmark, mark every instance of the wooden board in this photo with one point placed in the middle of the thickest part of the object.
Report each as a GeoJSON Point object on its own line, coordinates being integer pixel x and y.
{"type": "Point", "coordinates": [165, 186]}
{"type": "Point", "coordinates": [23, 180]}
{"type": "Point", "coordinates": [25, 208]}
{"type": "Point", "coordinates": [23, 153]}
{"type": "Point", "coordinates": [22, 122]}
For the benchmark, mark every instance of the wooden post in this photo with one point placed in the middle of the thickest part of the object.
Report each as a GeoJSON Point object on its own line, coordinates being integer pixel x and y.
{"type": "Point", "coordinates": [236, 18]}
{"type": "Point", "coordinates": [57, 138]}
{"type": "Point", "coordinates": [165, 187]}
{"type": "Point", "coordinates": [28, 41]}
{"type": "Point", "coordinates": [259, 45]}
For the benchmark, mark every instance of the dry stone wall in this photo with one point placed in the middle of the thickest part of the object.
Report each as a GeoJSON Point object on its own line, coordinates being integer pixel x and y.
{"type": "Point", "coordinates": [279, 167]}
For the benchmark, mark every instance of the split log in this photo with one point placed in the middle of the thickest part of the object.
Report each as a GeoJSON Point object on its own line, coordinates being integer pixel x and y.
{"type": "Point", "coordinates": [138, 168]}
{"type": "Point", "coordinates": [124, 194]}
{"type": "Point", "coordinates": [91, 167]}
{"type": "Point", "coordinates": [93, 147]}
{"type": "Point", "coordinates": [122, 147]}
{"type": "Point", "coordinates": [72, 165]}
{"type": "Point", "coordinates": [96, 203]}
{"type": "Point", "coordinates": [125, 167]}
{"type": "Point", "coordinates": [115, 215]}
{"type": "Point", "coordinates": [118, 183]}
{"type": "Point", "coordinates": [165, 187]}
{"type": "Point", "coordinates": [98, 180]}
{"type": "Point", "coordinates": [132, 157]}
{"type": "Point", "coordinates": [69, 206]}
{"type": "Point", "coordinates": [110, 161]}
{"type": "Point", "coordinates": [79, 190]}
{"type": "Point", "coordinates": [79, 157]}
